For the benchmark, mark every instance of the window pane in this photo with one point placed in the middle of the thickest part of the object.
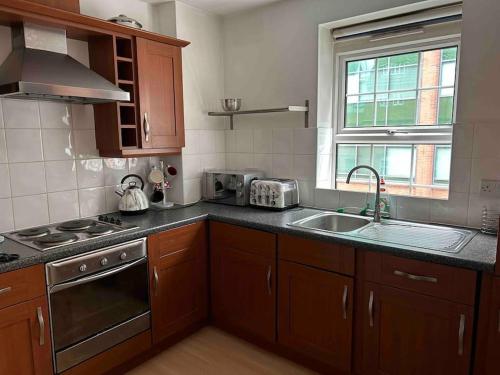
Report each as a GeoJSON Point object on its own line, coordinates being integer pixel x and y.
{"type": "Point", "coordinates": [408, 89]}
{"type": "Point", "coordinates": [426, 176]}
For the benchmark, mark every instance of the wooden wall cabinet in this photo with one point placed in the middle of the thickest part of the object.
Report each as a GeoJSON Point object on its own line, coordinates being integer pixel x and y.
{"type": "Point", "coordinates": [178, 278]}
{"type": "Point", "coordinates": [152, 122]}
{"type": "Point", "coordinates": [243, 281]}
{"type": "Point", "coordinates": [25, 347]}
{"type": "Point", "coordinates": [411, 319]}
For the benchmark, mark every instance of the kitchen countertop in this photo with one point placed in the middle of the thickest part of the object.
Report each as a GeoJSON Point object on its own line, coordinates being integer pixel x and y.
{"type": "Point", "coordinates": [479, 254]}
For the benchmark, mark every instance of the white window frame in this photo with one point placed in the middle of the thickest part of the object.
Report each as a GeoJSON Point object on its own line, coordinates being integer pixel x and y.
{"type": "Point", "coordinates": [434, 134]}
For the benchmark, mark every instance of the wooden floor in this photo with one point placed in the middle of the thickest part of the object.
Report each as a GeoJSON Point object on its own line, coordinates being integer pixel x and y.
{"type": "Point", "coordinates": [213, 352]}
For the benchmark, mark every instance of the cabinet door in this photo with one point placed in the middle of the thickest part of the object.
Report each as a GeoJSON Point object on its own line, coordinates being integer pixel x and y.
{"type": "Point", "coordinates": [159, 69]}
{"type": "Point", "coordinates": [178, 276]}
{"type": "Point", "coordinates": [25, 339]}
{"type": "Point", "coordinates": [315, 314]}
{"type": "Point", "coordinates": [243, 291]}
{"type": "Point", "coordinates": [408, 333]}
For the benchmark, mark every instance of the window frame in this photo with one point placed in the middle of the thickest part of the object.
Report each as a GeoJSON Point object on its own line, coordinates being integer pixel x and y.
{"type": "Point", "coordinates": [432, 134]}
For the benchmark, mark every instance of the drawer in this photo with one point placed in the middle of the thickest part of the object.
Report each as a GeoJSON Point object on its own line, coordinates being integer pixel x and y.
{"type": "Point", "coordinates": [244, 239]}
{"type": "Point", "coordinates": [328, 256]}
{"type": "Point", "coordinates": [21, 285]}
{"type": "Point", "coordinates": [179, 244]}
{"type": "Point", "coordinates": [446, 282]}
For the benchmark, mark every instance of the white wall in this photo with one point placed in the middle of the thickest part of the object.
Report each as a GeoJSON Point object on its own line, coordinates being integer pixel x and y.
{"type": "Point", "coordinates": [105, 9]}
{"type": "Point", "coordinates": [271, 60]}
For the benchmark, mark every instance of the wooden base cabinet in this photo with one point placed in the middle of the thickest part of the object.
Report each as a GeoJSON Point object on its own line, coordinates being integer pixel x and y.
{"type": "Point", "coordinates": [409, 333]}
{"type": "Point", "coordinates": [25, 347]}
{"type": "Point", "coordinates": [244, 280]}
{"type": "Point", "coordinates": [178, 278]}
{"type": "Point", "coordinates": [316, 314]}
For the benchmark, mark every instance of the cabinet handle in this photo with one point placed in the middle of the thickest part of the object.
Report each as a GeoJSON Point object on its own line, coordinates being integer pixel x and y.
{"type": "Point", "coordinates": [409, 276]}
{"type": "Point", "coordinates": [156, 281]}
{"type": "Point", "coordinates": [146, 127]}
{"type": "Point", "coordinates": [344, 301]}
{"type": "Point", "coordinates": [41, 325]}
{"type": "Point", "coordinates": [461, 331]}
{"type": "Point", "coordinates": [5, 290]}
{"type": "Point", "coordinates": [268, 276]}
{"type": "Point", "coordinates": [370, 308]}
{"type": "Point", "coordinates": [498, 328]}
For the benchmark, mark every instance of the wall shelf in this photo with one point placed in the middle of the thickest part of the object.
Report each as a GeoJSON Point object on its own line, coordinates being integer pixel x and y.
{"type": "Point", "coordinates": [291, 108]}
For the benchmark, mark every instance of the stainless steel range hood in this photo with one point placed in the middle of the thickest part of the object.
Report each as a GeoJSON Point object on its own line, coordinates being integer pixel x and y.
{"type": "Point", "coordinates": [39, 68]}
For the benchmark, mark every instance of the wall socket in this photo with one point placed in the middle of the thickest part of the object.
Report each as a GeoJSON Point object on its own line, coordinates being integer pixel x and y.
{"type": "Point", "coordinates": [490, 188]}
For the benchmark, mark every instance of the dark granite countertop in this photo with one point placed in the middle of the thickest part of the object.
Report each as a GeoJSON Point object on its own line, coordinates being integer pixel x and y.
{"type": "Point", "coordinates": [479, 254]}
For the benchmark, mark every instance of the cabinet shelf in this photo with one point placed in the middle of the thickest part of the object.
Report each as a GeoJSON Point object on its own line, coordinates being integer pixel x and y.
{"type": "Point", "coordinates": [291, 108]}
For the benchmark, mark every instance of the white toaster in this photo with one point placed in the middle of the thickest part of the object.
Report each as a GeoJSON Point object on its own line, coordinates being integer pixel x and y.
{"type": "Point", "coordinates": [274, 193]}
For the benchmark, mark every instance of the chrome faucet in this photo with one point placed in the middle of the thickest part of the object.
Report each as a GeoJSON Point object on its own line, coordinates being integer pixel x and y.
{"type": "Point", "coordinates": [376, 214]}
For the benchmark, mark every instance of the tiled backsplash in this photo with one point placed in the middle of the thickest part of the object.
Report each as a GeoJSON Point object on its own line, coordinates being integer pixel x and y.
{"type": "Point", "coordinates": [50, 170]}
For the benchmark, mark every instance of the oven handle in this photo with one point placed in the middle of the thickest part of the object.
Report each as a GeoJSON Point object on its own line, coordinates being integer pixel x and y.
{"type": "Point", "coordinates": [84, 280]}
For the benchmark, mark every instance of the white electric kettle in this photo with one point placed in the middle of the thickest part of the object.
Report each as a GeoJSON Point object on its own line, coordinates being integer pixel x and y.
{"type": "Point", "coordinates": [133, 201]}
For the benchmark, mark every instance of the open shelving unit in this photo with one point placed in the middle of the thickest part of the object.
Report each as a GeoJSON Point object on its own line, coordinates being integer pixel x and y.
{"type": "Point", "coordinates": [290, 108]}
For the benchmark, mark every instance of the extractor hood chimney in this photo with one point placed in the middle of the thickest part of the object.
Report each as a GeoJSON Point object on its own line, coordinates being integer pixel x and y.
{"type": "Point", "coordinates": [39, 68]}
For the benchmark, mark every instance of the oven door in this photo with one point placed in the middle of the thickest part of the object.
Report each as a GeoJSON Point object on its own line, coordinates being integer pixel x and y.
{"type": "Point", "coordinates": [96, 312]}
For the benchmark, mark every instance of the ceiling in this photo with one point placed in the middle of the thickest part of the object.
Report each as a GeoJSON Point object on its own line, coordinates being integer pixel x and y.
{"type": "Point", "coordinates": [221, 7]}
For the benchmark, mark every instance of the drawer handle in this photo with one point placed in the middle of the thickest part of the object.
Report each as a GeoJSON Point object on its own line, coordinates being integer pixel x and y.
{"type": "Point", "coordinates": [146, 126]}
{"type": "Point", "coordinates": [5, 290]}
{"type": "Point", "coordinates": [156, 281]}
{"type": "Point", "coordinates": [345, 296]}
{"type": "Point", "coordinates": [268, 278]}
{"type": "Point", "coordinates": [498, 328]}
{"type": "Point", "coordinates": [41, 325]}
{"type": "Point", "coordinates": [370, 309]}
{"type": "Point", "coordinates": [410, 276]}
{"type": "Point", "coordinates": [461, 332]}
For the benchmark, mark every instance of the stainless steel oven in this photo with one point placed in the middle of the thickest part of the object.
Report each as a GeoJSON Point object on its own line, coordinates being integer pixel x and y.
{"type": "Point", "coordinates": [97, 300]}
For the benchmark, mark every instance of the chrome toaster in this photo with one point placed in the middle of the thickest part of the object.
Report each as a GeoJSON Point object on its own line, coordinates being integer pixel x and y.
{"type": "Point", "coordinates": [274, 193]}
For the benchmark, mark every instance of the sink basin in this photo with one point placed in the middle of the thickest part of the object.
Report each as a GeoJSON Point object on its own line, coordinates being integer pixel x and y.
{"type": "Point", "coordinates": [332, 222]}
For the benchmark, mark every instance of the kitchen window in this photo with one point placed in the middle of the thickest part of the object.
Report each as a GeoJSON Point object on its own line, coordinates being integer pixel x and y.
{"type": "Point", "coordinates": [395, 101]}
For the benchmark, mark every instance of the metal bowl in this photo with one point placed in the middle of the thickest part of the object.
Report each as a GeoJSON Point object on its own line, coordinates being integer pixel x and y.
{"type": "Point", "coordinates": [231, 105]}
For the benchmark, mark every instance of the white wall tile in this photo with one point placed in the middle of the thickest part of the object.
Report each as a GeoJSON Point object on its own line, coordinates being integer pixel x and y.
{"type": "Point", "coordinates": [304, 141]}
{"type": "Point", "coordinates": [230, 141]}
{"type": "Point", "coordinates": [114, 170]}
{"type": "Point", "coordinates": [57, 144]}
{"type": "Point", "coordinates": [90, 173]}
{"type": "Point", "coordinates": [1, 115]}
{"type": "Point", "coordinates": [462, 141]}
{"type": "Point", "coordinates": [484, 168]}
{"type": "Point", "coordinates": [112, 199]}
{"type": "Point", "coordinates": [304, 166]}
{"type": "Point", "coordinates": [24, 145]}
{"type": "Point", "coordinates": [85, 145]}
{"type": "Point", "coordinates": [139, 166]}
{"type": "Point", "coordinates": [352, 199]}
{"type": "Point", "coordinates": [241, 161]}
{"type": "Point", "coordinates": [192, 190]}
{"type": "Point", "coordinates": [213, 161]}
{"type": "Point", "coordinates": [3, 147]}
{"type": "Point", "coordinates": [476, 205]}
{"type": "Point", "coordinates": [282, 141]}
{"type": "Point", "coordinates": [324, 171]}
{"type": "Point", "coordinates": [306, 193]}
{"type": "Point", "coordinates": [27, 178]}
{"type": "Point", "coordinates": [83, 116]}
{"type": "Point", "coordinates": [191, 165]}
{"type": "Point", "coordinates": [192, 139]}
{"type": "Point", "coordinates": [262, 141]}
{"type": "Point", "coordinates": [60, 175]}
{"type": "Point", "coordinates": [206, 142]}
{"type": "Point", "coordinates": [282, 165]}
{"type": "Point", "coordinates": [30, 211]}
{"type": "Point", "coordinates": [452, 211]}
{"type": "Point", "coordinates": [19, 114]}
{"type": "Point", "coordinates": [7, 217]}
{"type": "Point", "coordinates": [460, 175]}
{"type": "Point", "coordinates": [264, 163]}
{"type": "Point", "coordinates": [55, 115]}
{"type": "Point", "coordinates": [4, 181]}
{"type": "Point", "coordinates": [244, 140]}
{"type": "Point", "coordinates": [220, 141]}
{"type": "Point", "coordinates": [63, 206]}
{"type": "Point", "coordinates": [325, 198]}
{"type": "Point", "coordinates": [92, 201]}
{"type": "Point", "coordinates": [414, 209]}
{"type": "Point", "coordinates": [486, 141]}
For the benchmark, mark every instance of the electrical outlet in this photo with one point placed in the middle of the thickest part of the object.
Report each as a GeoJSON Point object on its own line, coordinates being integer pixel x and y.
{"type": "Point", "coordinates": [490, 188]}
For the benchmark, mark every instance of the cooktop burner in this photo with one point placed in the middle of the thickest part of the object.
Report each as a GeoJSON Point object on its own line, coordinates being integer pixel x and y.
{"type": "Point", "coordinates": [100, 229]}
{"type": "Point", "coordinates": [56, 239]}
{"type": "Point", "coordinates": [76, 225]}
{"type": "Point", "coordinates": [4, 257]}
{"type": "Point", "coordinates": [34, 232]}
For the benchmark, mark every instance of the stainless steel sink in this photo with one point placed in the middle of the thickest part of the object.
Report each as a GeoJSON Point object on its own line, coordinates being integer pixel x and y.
{"type": "Point", "coordinates": [332, 222]}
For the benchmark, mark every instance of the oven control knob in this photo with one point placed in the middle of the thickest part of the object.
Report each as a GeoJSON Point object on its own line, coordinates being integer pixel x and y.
{"type": "Point", "coordinates": [123, 256]}
{"type": "Point", "coordinates": [104, 262]}
{"type": "Point", "coordinates": [83, 268]}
